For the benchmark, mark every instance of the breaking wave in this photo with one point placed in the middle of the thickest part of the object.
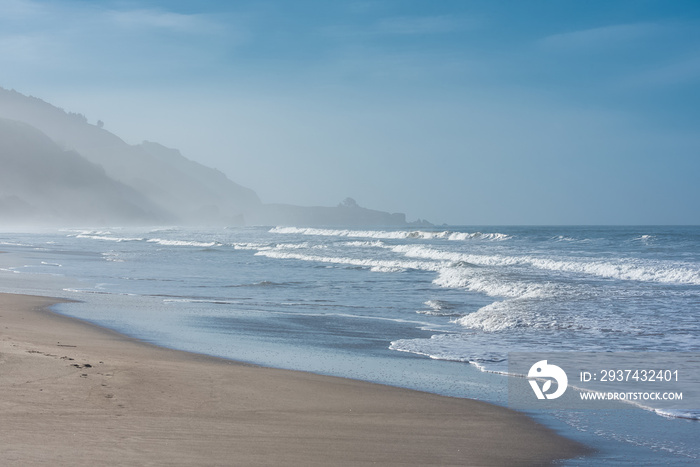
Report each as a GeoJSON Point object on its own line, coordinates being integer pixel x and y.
{"type": "Point", "coordinates": [636, 270]}
{"type": "Point", "coordinates": [104, 235]}
{"type": "Point", "coordinates": [439, 308]}
{"type": "Point", "coordinates": [164, 242]}
{"type": "Point", "coordinates": [399, 234]}
{"type": "Point", "coordinates": [373, 264]}
{"type": "Point", "coordinates": [464, 278]}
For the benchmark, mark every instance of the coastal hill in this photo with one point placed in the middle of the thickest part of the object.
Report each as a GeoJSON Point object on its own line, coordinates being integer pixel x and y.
{"type": "Point", "coordinates": [58, 168]}
{"type": "Point", "coordinates": [42, 183]}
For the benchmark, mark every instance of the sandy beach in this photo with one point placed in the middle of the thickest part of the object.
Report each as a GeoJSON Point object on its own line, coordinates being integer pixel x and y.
{"type": "Point", "coordinates": [77, 394]}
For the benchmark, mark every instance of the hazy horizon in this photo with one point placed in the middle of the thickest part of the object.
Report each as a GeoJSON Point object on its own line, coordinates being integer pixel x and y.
{"type": "Point", "coordinates": [459, 112]}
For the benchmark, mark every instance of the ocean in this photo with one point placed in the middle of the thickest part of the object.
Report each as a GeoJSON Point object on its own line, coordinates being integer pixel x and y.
{"type": "Point", "coordinates": [436, 309]}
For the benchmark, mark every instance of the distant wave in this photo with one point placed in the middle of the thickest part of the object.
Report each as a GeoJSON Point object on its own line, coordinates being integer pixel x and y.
{"type": "Point", "coordinates": [104, 235]}
{"type": "Point", "coordinates": [165, 229]}
{"type": "Point", "coordinates": [165, 242]}
{"type": "Point", "coordinates": [669, 272]}
{"type": "Point", "coordinates": [399, 234]}
{"type": "Point", "coordinates": [373, 264]}
{"type": "Point", "coordinates": [249, 246]}
{"type": "Point", "coordinates": [97, 292]}
{"type": "Point", "coordinates": [564, 238]}
{"type": "Point", "coordinates": [108, 236]}
{"type": "Point", "coordinates": [371, 244]}
{"type": "Point", "coordinates": [111, 239]}
{"type": "Point", "coordinates": [297, 246]}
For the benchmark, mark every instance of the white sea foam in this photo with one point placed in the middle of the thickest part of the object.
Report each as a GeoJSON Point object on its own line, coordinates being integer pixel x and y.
{"type": "Point", "coordinates": [522, 306]}
{"type": "Point", "coordinates": [438, 305]}
{"type": "Point", "coordinates": [419, 251]}
{"type": "Point", "coordinates": [111, 239]}
{"type": "Point", "coordinates": [438, 347]}
{"type": "Point", "coordinates": [112, 256]}
{"type": "Point", "coordinates": [462, 278]}
{"type": "Point", "coordinates": [293, 246]}
{"type": "Point", "coordinates": [439, 308]}
{"type": "Point", "coordinates": [76, 233]}
{"type": "Point", "coordinates": [164, 229]}
{"type": "Point", "coordinates": [499, 316]}
{"type": "Point", "coordinates": [637, 270]}
{"type": "Point", "coordinates": [453, 347]}
{"type": "Point", "coordinates": [399, 234]}
{"type": "Point", "coordinates": [250, 246]}
{"type": "Point", "coordinates": [165, 242]}
{"type": "Point", "coordinates": [665, 272]}
{"type": "Point", "coordinates": [13, 244]}
{"type": "Point", "coordinates": [672, 413]}
{"type": "Point", "coordinates": [477, 235]}
{"type": "Point", "coordinates": [104, 235]}
{"type": "Point", "coordinates": [361, 244]}
{"type": "Point", "coordinates": [296, 246]}
{"type": "Point", "coordinates": [373, 264]}
{"type": "Point", "coordinates": [98, 292]}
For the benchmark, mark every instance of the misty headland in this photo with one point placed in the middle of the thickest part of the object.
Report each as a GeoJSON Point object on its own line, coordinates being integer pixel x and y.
{"type": "Point", "coordinates": [58, 169]}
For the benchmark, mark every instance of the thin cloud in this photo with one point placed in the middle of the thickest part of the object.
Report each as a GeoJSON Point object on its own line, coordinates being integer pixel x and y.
{"type": "Point", "coordinates": [21, 15]}
{"type": "Point", "coordinates": [19, 8]}
{"type": "Point", "coordinates": [155, 19]}
{"type": "Point", "coordinates": [23, 48]}
{"type": "Point", "coordinates": [71, 41]}
{"type": "Point", "coordinates": [416, 25]}
{"type": "Point", "coordinates": [603, 37]}
{"type": "Point", "coordinates": [403, 26]}
{"type": "Point", "coordinates": [681, 72]}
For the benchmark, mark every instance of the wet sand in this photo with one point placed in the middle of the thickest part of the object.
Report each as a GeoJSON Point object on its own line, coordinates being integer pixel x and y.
{"type": "Point", "coordinates": [72, 393]}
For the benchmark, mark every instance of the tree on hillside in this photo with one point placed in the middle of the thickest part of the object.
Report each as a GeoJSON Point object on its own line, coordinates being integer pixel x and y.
{"type": "Point", "coordinates": [348, 203]}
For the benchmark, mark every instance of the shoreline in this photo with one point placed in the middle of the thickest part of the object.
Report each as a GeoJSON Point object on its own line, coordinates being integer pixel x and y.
{"type": "Point", "coordinates": [75, 393]}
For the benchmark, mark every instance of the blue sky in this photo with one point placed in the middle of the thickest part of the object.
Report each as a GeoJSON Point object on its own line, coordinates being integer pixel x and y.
{"type": "Point", "coordinates": [464, 112]}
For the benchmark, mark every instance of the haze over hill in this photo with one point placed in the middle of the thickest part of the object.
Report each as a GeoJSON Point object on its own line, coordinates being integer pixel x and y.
{"type": "Point", "coordinates": [40, 182]}
{"type": "Point", "coordinates": [58, 168]}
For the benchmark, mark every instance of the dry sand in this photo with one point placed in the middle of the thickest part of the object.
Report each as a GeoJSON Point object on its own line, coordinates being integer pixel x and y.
{"type": "Point", "coordinates": [75, 394]}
